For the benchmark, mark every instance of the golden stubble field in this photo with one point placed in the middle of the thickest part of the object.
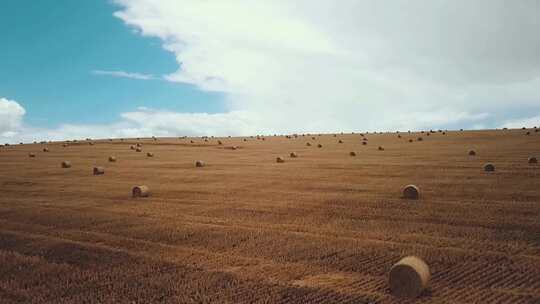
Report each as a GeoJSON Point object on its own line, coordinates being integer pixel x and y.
{"type": "Point", "coordinates": [324, 227]}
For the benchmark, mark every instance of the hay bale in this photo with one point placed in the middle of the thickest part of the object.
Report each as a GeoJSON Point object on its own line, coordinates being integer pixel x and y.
{"type": "Point", "coordinates": [319, 146]}
{"type": "Point", "coordinates": [380, 148]}
{"type": "Point", "coordinates": [31, 155]}
{"type": "Point", "coordinates": [410, 140]}
{"type": "Point", "coordinates": [191, 141]}
{"type": "Point", "coordinates": [64, 145]}
{"type": "Point", "coordinates": [528, 133]}
{"type": "Point", "coordinates": [308, 144]}
{"type": "Point", "coordinates": [91, 143]}
{"type": "Point", "coordinates": [364, 143]}
{"type": "Point", "coordinates": [138, 150]}
{"type": "Point", "coordinates": [411, 192]}
{"type": "Point", "coordinates": [66, 164]}
{"type": "Point", "coordinates": [472, 153]}
{"type": "Point", "coordinates": [139, 145]}
{"type": "Point", "coordinates": [140, 191]}
{"type": "Point", "coordinates": [352, 153]}
{"type": "Point", "coordinates": [199, 164]}
{"type": "Point", "coordinates": [280, 159]}
{"type": "Point", "coordinates": [532, 160]}
{"type": "Point", "coordinates": [45, 149]}
{"type": "Point", "coordinates": [99, 170]}
{"type": "Point", "coordinates": [234, 147]}
{"type": "Point", "coordinates": [420, 139]}
{"type": "Point", "coordinates": [112, 159]}
{"type": "Point", "coordinates": [409, 277]}
{"type": "Point", "coordinates": [219, 142]}
{"type": "Point", "coordinates": [340, 141]}
{"type": "Point", "coordinates": [489, 167]}
{"type": "Point", "coordinates": [399, 136]}
{"type": "Point", "coordinates": [149, 154]}
{"type": "Point", "coordinates": [132, 147]}
{"type": "Point", "coordinates": [294, 155]}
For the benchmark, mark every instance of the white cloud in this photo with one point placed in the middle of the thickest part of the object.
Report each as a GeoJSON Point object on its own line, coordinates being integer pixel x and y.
{"type": "Point", "coordinates": [123, 74]}
{"type": "Point", "coordinates": [324, 65]}
{"type": "Point", "coordinates": [11, 115]}
{"type": "Point", "coordinates": [523, 122]}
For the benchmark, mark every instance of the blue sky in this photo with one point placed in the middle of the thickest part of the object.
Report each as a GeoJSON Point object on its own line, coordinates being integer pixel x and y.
{"type": "Point", "coordinates": [131, 68]}
{"type": "Point", "coordinates": [50, 48]}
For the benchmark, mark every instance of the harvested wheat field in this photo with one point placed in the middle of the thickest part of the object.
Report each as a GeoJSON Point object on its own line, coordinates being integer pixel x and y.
{"type": "Point", "coordinates": [321, 228]}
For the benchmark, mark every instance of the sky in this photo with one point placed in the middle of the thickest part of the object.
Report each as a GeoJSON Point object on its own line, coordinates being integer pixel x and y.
{"type": "Point", "coordinates": [131, 68]}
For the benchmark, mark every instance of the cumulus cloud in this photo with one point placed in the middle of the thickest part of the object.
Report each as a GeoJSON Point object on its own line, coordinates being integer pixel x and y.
{"type": "Point", "coordinates": [11, 115]}
{"type": "Point", "coordinates": [123, 74]}
{"type": "Point", "coordinates": [324, 65]}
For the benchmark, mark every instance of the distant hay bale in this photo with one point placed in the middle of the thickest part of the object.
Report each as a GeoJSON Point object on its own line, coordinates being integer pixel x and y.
{"type": "Point", "coordinates": [206, 140]}
{"type": "Point", "coordinates": [245, 139]}
{"type": "Point", "coordinates": [308, 144]}
{"type": "Point", "coordinates": [294, 155]}
{"type": "Point", "coordinates": [472, 153]}
{"type": "Point", "coordinates": [139, 145]}
{"type": "Point", "coordinates": [411, 192]}
{"type": "Point", "coordinates": [31, 155]}
{"type": "Point", "coordinates": [399, 136]}
{"type": "Point", "coordinates": [280, 159]}
{"type": "Point", "coordinates": [364, 143]}
{"type": "Point", "coordinates": [138, 150]}
{"type": "Point", "coordinates": [99, 170]}
{"type": "Point", "coordinates": [90, 143]}
{"type": "Point", "coordinates": [409, 277]}
{"type": "Point", "coordinates": [319, 146]}
{"type": "Point", "coordinates": [149, 154]}
{"type": "Point", "coordinates": [410, 140]}
{"type": "Point", "coordinates": [66, 164]}
{"type": "Point", "coordinates": [532, 160]}
{"type": "Point", "coordinates": [443, 133]}
{"type": "Point", "coordinates": [340, 141]}
{"type": "Point", "coordinates": [335, 135]}
{"type": "Point", "coordinates": [199, 164]}
{"type": "Point", "coordinates": [64, 145]}
{"type": "Point", "coordinates": [132, 147]}
{"type": "Point", "coordinates": [191, 141]}
{"type": "Point", "coordinates": [380, 148]}
{"type": "Point", "coordinates": [140, 191]}
{"type": "Point", "coordinates": [219, 142]}
{"type": "Point", "coordinates": [234, 147]}
{"type": "Point", "coordinates": [313, 138]}
{"type": "Point", "coordinates": [420, 139]}
{"type": "Point", "coordinates": [528, 133]}
{"type": "Point", "coordinates": [45, 149]}
{"type": "Point", "coordinates": [112, 159]}
{"type": "Point", "coordinates": [489, 167]}
{"type": "Point", "coordinates": [352, 153]}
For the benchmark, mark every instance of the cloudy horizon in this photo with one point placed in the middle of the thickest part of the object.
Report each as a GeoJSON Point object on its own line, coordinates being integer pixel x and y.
{"type": "Point", "coordinates": [243, 68]}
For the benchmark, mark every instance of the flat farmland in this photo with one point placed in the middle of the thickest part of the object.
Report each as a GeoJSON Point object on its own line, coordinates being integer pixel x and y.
{"type": "Point", "coordinates": [324, 227]}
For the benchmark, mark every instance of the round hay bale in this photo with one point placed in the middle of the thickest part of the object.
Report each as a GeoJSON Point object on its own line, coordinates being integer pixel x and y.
{"type": "Point", "coordinates": [364, 143]}
{"type": "Point", "coordinates": [90, 143]}
{"type": "Point", "coordinates": [381, 148]}
{"type": "Point", "coordinates": [532, 160]}
{"type": "Point", "coordinates": [443, 133]}
{"type": "Point", "coordinates": [352, 153]}
{"type": "Point", "coordinates": [411, 192]}
{"type": "Point", "coordinates": [132, 147]}
{"type": "Point", "coordinates": [308, 144]}
{"type": "Point", "coordinates": [410, 140]}
{"type": "Point", "coordinates": [99, 170]}
{"type": "Point", "coordinates": [45, 149]}
{"type": "Point", "coordinates": [472, 153]}
{"type": "Point", "coordinates": [294, 155]}
{"type": "Point", "coordinates": [139, 145]}
{"type": "Point", "coordinates": [313, 138]}
{"type": "Point", "coordinates": [399, 136]}
{"type": "Point", "coordinates": [340, 141]}
{"type": "Point", "coordinates": [66, 164]}
{"type": "Point", "coordinates": [280, 159]}
{"type": "Point", "coordinates": [489, 167]}
{"type": "Point", "coordinates": [31, 155]}
{"type": "Point", "coordinates": [528, 133]}
{"type": "Point", "coordinates": [138, 150]}
{"type": "Point", "coordinates": [140, 191]}
{"type": "Point", "coordinates": [409, 277]}
{"type": "Point", "coordinates": [420, 139]}
{"type": "Point", "coordinates": [245, 139]}
{"type": "Point", "coordinates": [191, 141]}
{"type": "Point", "coordinates": [64, 145]}
{"type": "Point", "coordinates": [219, 142]}
{"type": "Point", "coordinates": [199, 164]}
{"type": "Point", "coordinates": [234, 148]}
{"type": "Point", "coordinates": [112, 159]}
{"type": "Point", "coordinates": [150, 154]}
{"type": "Point", "coordinates": [319, 146]}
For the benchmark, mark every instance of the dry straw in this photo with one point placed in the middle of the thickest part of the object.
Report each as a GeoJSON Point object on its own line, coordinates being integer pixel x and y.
{"type": "Point", "coordinates": [489, 167]}
{"type": "Point", "coordinates": [411, 192]}
{"type": "Point", "coordinates": [409, 277]}
{"type": "Point", "coordinates": [140, 191]}
{"type": "Point", "coordinates": [99, 170]}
